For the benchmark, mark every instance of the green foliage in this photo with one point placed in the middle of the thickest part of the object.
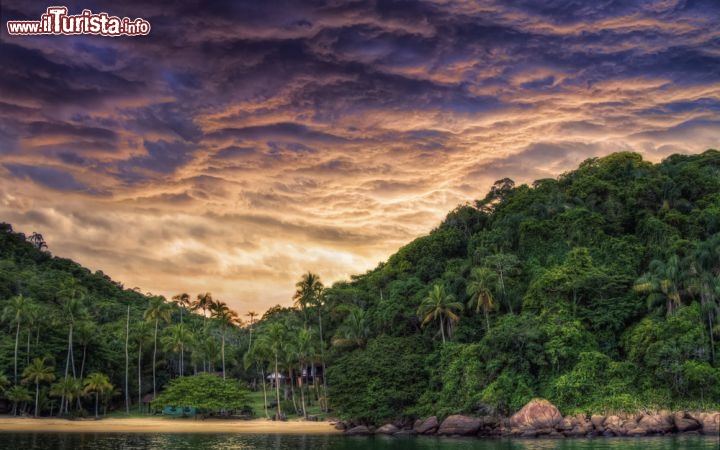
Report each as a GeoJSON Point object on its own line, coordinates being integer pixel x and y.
{"type": "Point", "coordinates": [379, 382]}
{"type": "Point", "coordinates": [203, 391]}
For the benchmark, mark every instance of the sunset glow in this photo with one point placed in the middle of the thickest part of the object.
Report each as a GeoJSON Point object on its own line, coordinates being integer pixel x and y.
{"type": "Point", "coordinates": [241, 144]}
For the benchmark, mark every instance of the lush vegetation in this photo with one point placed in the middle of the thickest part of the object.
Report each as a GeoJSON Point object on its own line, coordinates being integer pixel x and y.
{"type": "Point", "coordinates": [598, 290]}
{"type": "Point", "coordinates": [204, 391]}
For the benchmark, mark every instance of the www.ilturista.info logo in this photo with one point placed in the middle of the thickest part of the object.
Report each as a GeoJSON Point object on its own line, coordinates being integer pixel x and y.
{"type": "Point", "coordinates": [56, 21]}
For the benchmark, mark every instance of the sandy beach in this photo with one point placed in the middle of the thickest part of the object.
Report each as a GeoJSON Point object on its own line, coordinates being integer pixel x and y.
{"type": "Point", "coordinates": [165, 425]}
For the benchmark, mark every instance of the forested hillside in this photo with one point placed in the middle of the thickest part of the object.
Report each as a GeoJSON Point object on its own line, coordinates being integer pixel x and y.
{"type": "Point", "coordinates": [67, 331]}
{"type": "Point", "coordinates": [598, 290]}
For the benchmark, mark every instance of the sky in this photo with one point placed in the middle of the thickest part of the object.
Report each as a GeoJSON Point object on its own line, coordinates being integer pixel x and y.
{"type": "Point", "coordinates": [240, 144]}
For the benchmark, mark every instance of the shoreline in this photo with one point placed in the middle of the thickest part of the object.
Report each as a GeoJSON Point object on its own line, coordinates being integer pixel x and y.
{"type": "Point", "coordinates": [162, 425]}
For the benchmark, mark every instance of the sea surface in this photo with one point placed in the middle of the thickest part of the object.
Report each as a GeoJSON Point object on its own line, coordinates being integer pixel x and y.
{"type": "Point", "coordinates": [227, 441]}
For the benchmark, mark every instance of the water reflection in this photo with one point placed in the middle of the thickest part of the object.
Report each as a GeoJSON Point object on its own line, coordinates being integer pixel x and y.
{"type": "Point", "coordinates": [107, 441]}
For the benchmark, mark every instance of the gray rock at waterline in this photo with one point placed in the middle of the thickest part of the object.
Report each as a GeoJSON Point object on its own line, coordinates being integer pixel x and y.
{"type": "Point", "coordinates": [427, 426]}
{"type": "Point", "coordinates": [360, 430]}
{"type": "Point", "coordinates": [460, 425]}
{"type": "Point", "coordinates": [388, 428]}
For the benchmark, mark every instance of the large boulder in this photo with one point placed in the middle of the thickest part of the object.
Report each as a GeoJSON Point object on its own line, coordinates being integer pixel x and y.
{"type": "Point", "coordinates": [388, 428]}
{"type": "Point", "coordinates": [614, 424]}
{"type": "Point", "coordinates": [358, 431]}
{"type": "Point", "coordinates": [711, 423]}
{"type": "Point", "coordinates": [597, 422]}
{"type": "Point", "coordinates": [684, 423]}
{"type": "Point", "coordinates": [661, 422]}
{"type": "Point", "coordinates": [536, 415]}
{"type": "Point", "coordinates": [427, 426]}
{"type": "Point", "coordinates": [462, 425]}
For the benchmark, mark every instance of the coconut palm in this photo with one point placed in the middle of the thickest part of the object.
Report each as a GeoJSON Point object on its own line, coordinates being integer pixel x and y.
{"type": "Point", "coordinates": [156, 311]}
{"type": "Point", "coordinates": [4, 382]}
{"type": "Point", "coordinates": [14, 313]}
{"type": "Point", "coordinates": [18, 394]}
{"type": "Point", "coordinates": [479, 288]}
{"type": "Point", "coordinates": [311, 292]}
{"type": "Point", "coordinates": [663, 282]}
{"type": "Point", "coordinates": [307, 292]}
{"type": "Point", "coordinates": [441, 307]}
{"type": "Point", "coordinates": [183, 301]}
{"type": "Point", "coordinates": [73, 308]}
{"type": "Point", "coordinates": [140, 335]}
{"type": "Point", "coordinates": [251, 315]}
{"type": "Point", "coordinates": [306, 350]}
{"type": "Point", "coordinates": [68, 389]}
{"type": "Point", "coordinates": [354, 329]}
{"type": "Point", "coordinates": [97, 383]}
{"type": "Point", "coordinates": [175, 339]}
{"type": "Point", "coordinates": [273, 338]}
{"type": "Point", "coordinates": [259, 354]}
{"type": "Point", "coordinates": [225, 318]}
{"type": "Point", "coordinates": [38, 372]}
{"type": "Point", "coordinates": [204, 301]}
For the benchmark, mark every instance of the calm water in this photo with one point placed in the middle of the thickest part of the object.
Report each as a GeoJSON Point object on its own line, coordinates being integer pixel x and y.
{"type": "Point", "coordinates": [107, 441]}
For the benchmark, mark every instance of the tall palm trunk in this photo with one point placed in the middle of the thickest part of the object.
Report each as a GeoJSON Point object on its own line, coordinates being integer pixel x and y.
{"type": "Point", "coordinates": [96, 404]}
{"type": "Point", "coordinates": [154, 356]}
{"type": "Point", "coordinates": [442, 328]}
{"type": "Point", "coordinates": [277, 387]}
{"type": "Point", "coordinates": [292, 389]}
{"type": "Point", "coordinates": [262, 373]}
{"type": "Point", "coordinates": [37, 396]}
{"type": "Point", "coordinates": [139, 380]}
{"type": "Point", "coordinates": [322, 358]}
{"type": "Point", "coordinates": [302, 392]}
{"type": "Point", "coordinates": [127, 362]}
{"type": "Point", "coordinates": [27, 354]}
{"type": "Point", "coordinates": [223, 353]}
{"type": "Point", "coordinates": [17, 338]}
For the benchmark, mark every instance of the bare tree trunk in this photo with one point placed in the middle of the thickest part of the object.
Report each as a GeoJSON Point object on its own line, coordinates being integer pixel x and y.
{"type": "Point", "coordinates": [127, 362]}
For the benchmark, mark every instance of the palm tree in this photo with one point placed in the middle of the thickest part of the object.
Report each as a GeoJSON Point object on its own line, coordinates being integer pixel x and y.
{"type": "Point", "coordinates": [35, 373]}
{"type": "Point", "coordinates": [73, 295]}
{"type": "Point", "coordinates": [251, 315]}
{"type": "Point", "coordinates": [306, 350]}
{"type": "Point", "coordinates": [183, 301]}
{"type": "Point", "coordinates": [157, 310]}
{"type": "Point", "coordinates": [204, 301]}
{"type": "Point", "coordinates": [354, 329]}
{"type": "Point", "coordinates": [33, 315]}
{"type": "Point", "coordinates": [311, 292]}
{"type": "Point", "coordinates": [226, 318]}
{"type": "Point", "coordinates": [68, 389]}
{"type": "Point", "coordinates": [17, 394]}
{"type": "Point", "coordinates": [441, 307]}
{"type": "Point", "coordinates": [99, 384]}
{"type": "Point", "coordinates": [141, 334]}
{"type": "Point", "coordinates": [273, 337]}
{"type": "Point", "coordinates": [260, 354]}
{"type": "Point", "coordinates": [175, 339]}
{"type": "Point", "coordinates": [307, 292]}
{"type": "Point", "coordinates": [662, 282]}
{"type": "Point", "coordinates": [480, 291]}
{"type": "Point", "coordinates": [505, 265]}
{"type": "Point", "coordinates": [15, 312]}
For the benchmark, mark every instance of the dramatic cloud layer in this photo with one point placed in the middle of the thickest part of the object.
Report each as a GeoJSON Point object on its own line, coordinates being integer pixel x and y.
{"type": "Point", "coordinates": [240, 144]}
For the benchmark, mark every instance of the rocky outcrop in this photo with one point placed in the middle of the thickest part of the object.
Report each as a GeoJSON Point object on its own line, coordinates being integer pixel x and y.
{"type": "Point", "coordinates": [540, 418]}
{"type": "Point", "coordinates": [359, 430]}
{"type": "Point", "coordinates": [683, 422]}
{"type": "Point", "coordinates": [387, 429]}
{"type": "Point", "coordinates": [656, 423]}
{"type": "Point", "coordinates": [460, 425]}
{"type": "Point", "coordinates": [427, 426]}
{"type": "Point", "coordinates": [538, 414]}
{"type": "Point", "coordinates": [710, 423]}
